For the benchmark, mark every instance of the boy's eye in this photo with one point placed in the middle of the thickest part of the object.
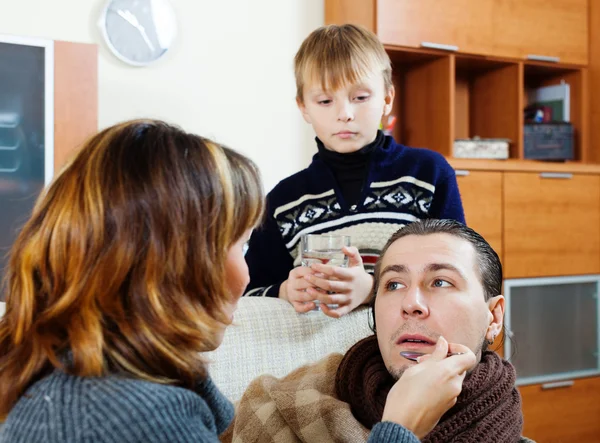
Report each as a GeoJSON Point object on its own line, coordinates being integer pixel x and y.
{"type": "Point", "coordinates": [361, 98]}
{"type": "Point", "coordinates": [394, 286]}
{"type": "Point", "coordinates": [324, 102]}
{"type": "Point", "coordinates": [439, 283]}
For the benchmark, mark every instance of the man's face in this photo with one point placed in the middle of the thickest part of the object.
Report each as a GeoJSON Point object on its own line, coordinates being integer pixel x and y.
{"type": "Point", "coordinates": [429, 287]}
{"type": "Point", "coordinates": [346, 120]}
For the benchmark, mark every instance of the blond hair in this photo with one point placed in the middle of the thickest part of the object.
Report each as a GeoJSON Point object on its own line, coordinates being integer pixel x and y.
{"type": "Point", "coordinates": [337, 55]}
{"type": "Point", "coordinates": [121, 267]}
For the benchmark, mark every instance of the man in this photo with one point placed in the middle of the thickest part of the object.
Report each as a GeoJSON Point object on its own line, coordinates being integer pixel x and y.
{"type": "Point", "coordinates": [436, 293]}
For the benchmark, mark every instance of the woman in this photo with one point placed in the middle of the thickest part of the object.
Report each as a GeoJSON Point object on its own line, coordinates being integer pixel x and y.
{"type": "Point", "coordinates": [130, 267]}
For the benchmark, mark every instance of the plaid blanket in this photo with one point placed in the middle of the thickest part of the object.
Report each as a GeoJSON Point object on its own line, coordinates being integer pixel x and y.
{"type": "Point", "coordinates": [301, 407]}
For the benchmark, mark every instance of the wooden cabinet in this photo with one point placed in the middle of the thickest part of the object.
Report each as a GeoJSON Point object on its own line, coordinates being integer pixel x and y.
{"type": "Point", "coordinates": [463, 24]}
{"type": "Point", "coordinates": [534, 28]}
{"type": "Point", "coordinates": [480, 85]}
{"type": "Point", "coordinates": [551, 224]}
{"type": "Point", "coordinates": [481, 194]}
{"type": "Point", "coordinates": [563, 414]}
{"type": "Point", "coordinates": [75, 97]}
{"type": "Point", "coordinates": [500, 28]}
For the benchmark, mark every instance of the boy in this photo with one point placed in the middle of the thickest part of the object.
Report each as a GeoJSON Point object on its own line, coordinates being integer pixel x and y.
{"type": "Point", "coordinates": [360, 182]}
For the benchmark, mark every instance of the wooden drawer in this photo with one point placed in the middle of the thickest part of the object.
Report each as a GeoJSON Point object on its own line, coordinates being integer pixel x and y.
{"type": "Point", "coordinates": [563, 415]}
{"type": "Point", "coordinates": [551, 224]}
{"type": "Point", "coordinates": [481, 194]}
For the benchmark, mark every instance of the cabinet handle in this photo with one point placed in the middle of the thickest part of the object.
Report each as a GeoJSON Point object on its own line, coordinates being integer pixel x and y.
{"type": "Point", "coordinates": [461, 172]}
{"type": "Point", "coordinates": [558, 384]}
{"type": "Point", "coordinates": [563, 175]}
{"type": "Point", "coordinates": [441, 46]}
{"type": "Point", "coordinates": [543, 58]}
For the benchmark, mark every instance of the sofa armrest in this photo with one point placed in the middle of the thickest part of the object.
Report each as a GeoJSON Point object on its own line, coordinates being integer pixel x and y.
{"type": "Point", "coordinates": [269, 337]}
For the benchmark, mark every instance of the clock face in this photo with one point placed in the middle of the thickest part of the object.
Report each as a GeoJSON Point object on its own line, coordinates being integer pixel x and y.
{"type": "Point", "coordinates": [138, 31]}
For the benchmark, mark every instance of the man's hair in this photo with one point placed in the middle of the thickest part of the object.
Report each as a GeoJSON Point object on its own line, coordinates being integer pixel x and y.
{"type": "Point", "coordinates": [490, 268]}
{"type": "Point", "coordinates": [338, 55]}
{"type": "Point", "coordinates": [122, 265]}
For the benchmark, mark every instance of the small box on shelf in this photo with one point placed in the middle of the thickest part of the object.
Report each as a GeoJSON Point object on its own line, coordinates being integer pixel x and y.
{"type": "Point", "coordinates": [488, 148]}
{"type": "Point", "coordinates": [548, 141]}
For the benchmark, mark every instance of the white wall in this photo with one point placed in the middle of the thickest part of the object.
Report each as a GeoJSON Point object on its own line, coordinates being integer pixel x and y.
{"type": "Point", "coordinates": [229, 76]}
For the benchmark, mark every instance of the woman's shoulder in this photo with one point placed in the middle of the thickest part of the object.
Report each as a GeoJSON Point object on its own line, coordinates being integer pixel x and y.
{"type": "Point", "coordinates": [118, 405]}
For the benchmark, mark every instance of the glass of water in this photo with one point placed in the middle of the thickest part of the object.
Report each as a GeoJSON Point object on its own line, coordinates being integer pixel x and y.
{"type": "Point", "coordinates": [325, 249]}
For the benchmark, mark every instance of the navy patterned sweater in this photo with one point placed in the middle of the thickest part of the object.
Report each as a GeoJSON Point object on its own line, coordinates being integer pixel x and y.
{"type": "Point", "coordinates": [402, 185]}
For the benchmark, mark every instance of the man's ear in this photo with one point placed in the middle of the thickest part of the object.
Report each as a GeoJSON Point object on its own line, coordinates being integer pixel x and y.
{"type": "Point", "coordinates": [389, 101]}
{"type": "Point", "coordinates": [302, 107]}
{"type": "Point", "coordinates": [496, 307]}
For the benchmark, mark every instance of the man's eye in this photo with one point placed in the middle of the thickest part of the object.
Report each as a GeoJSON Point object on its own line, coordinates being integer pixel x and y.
{"type": "Point", "coordinates": [393, 286]}
{"type": "Point", "coordinates": [439, 283]}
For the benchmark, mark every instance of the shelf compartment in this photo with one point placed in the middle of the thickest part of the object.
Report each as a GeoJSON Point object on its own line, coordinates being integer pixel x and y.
{"type": "Point", "coordinates": [487, 98]}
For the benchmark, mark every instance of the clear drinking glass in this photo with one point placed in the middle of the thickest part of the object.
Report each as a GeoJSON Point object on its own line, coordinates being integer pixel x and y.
{"type": "Point", "coordinates": [325, 249]}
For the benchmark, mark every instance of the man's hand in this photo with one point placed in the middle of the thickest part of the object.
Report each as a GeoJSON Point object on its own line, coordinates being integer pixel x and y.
{"type": "Point", "coordinates": [347, 287]}
{"type": "Point", "coordinates": [294, 290]}
{"type": "Point", "coordinates": [427, 390]}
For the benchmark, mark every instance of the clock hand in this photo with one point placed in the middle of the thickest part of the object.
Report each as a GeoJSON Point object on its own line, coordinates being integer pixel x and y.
{"type": "Point", "coordinates": [132, 20]}
{"type": "Point", "coordinates": [128, 17]}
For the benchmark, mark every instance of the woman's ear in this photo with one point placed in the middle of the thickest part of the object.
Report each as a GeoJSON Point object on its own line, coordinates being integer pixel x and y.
{"type": "Point", "coordinates": [496, 307]}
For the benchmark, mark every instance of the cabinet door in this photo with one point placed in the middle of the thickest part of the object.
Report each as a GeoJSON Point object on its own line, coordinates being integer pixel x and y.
{"type": "Point", "coordinates": [466, 24]}
{"type": "Point", "coordinates": [563, 414]}
{"type": "Point", "coordinates": [551, 224]}
{"type": "Point", "coordinates": [481, 194]}
{"type": "Point", "coordinates": [558, 28]}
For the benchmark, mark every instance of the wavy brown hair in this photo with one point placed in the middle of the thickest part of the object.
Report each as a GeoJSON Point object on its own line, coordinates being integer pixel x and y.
{"type": "Point", "coordinates": [121, 267]}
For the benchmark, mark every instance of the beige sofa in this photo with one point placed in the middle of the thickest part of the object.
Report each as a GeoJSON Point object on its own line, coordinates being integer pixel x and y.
{"type": "Point", "coordinates": [269, 337]}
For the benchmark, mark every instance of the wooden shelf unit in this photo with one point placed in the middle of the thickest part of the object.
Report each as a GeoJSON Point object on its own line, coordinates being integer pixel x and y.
{"type": "Point", "coordinates": [542, 217]}
{"type": "Point", "coordinates": [441, 97]}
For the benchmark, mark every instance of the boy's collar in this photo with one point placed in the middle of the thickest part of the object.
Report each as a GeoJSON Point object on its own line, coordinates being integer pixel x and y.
{"type": "Point", "coordinates": [365, 151]}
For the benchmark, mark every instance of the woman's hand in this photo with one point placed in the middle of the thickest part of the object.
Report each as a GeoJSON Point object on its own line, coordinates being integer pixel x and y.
{"type": "Point", "coordinates": [346, 287]}
{"type": "Point", "coordinates": [427, 390]}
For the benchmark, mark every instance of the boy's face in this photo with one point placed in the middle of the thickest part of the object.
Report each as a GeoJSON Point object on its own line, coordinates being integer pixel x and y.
{"type": "Point", "coordinates": [347, 119]}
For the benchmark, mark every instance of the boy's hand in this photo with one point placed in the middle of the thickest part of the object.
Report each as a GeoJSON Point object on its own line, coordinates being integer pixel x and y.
{"type": "Point", "coordinates": [294, 290]}
{"type": "Point", "coordinates": [347, 287]}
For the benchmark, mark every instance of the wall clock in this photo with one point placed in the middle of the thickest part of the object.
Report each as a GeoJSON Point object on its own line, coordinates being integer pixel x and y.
{"type": "Point", "coordinates": [138, 32]}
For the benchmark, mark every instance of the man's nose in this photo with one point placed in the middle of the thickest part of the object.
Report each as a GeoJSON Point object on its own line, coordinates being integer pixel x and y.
{"type": "Point", "coordinates": [414, 303]}
{"type": "Point", "coordinates": [345, 112]}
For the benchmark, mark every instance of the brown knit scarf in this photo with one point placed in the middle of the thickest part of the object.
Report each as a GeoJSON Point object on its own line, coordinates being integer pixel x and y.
{"type": "Point", "coordinates": [488, 408]}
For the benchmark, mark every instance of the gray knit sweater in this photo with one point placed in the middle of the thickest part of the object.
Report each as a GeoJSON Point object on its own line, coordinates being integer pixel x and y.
{"type": "Point", "coordinates": [62, 408]}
